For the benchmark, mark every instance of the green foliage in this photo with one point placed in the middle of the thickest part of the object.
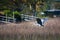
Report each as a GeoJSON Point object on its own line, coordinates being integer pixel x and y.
{"type": "Point", "coordinates": [6, 12]}
{"type": "Point", "coordinates": [14, 4]}
{"type": "Point", "coordinates": [40, 15]}
{"type": "Point", "coordinates": [16, 13]}
{"type": "Point", "coordinates": [9, 13]}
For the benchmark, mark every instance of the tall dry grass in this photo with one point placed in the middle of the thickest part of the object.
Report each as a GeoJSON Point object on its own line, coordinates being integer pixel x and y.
{"type": "Point", "coordinates": [28, 31]}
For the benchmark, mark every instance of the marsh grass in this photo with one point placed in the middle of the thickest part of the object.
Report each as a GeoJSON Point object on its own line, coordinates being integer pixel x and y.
{"type": "Point", "coordinates": [30, 37]}
{"type": "Point", "coordinates": [28, 31]}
